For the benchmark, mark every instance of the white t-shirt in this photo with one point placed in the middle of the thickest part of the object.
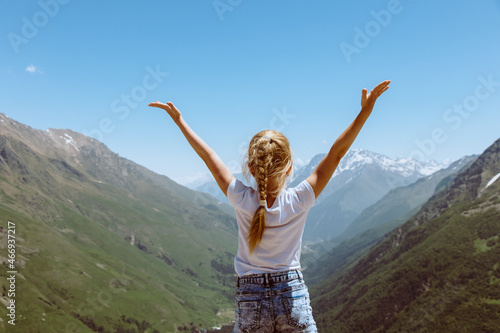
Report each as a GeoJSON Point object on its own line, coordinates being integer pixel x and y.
{"type": "Point", "coordinates": [281, 243]}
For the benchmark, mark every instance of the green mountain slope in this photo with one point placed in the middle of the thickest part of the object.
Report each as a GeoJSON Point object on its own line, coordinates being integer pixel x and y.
{"type": "Point", "coordinates": [438, 272]}
{"type": "Point", "coordinates": [103, 244]}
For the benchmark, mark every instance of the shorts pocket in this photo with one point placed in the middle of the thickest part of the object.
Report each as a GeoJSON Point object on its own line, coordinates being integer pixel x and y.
{"type": "Point", "coordinates": [248, 316]}
{"type": "Point", "coordinates": [298, 311]}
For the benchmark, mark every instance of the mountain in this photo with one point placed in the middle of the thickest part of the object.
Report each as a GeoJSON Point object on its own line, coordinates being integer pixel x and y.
{"type": "Point", "coordinates": [302, 173]}
{"type": "Point", "coordinates": [438, 272]}
{"type": "Point", "coordinates": [322, 259]}
{"type": "Point", "coordinates": [105, 244]}
{"type": "Point", "coordinates": [361, 179]}
{"type": "Point", "coordinates": [403, 201]}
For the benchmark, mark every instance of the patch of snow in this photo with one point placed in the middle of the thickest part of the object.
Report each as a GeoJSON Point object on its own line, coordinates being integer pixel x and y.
{"type": "Point", "coordinates": [70, 140]}
{"type": "Point", "coordinates": [429, 169]}
{"type": "Point", "coordinates": [492, 180]}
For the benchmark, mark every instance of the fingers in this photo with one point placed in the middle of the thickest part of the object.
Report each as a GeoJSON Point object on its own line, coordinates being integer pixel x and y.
{"type": "Point", "coordinates": [161, 105]}
{"type": "Point", "coordinates": [363, 94]}
{"type": "Point", "coordinates": [172, 106]}
{"type": "Point", "coordinates": [383, 86]}
{"type": "Point", "coordinates": [380, 88]}
{"type": "Point", "coordinates": [368, 99]}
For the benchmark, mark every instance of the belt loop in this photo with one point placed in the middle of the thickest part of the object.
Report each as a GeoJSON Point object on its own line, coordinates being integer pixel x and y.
{"type": "Point", "coordinates": [238, 282]}
{"type": "Point", "coordinates": [298, 274]}
{"type": "Point", "coordinates": [266, 277]}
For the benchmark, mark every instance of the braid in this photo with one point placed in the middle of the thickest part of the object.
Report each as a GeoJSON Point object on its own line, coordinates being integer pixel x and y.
{"type": "Point", "coordinates": [264, 159]}
{"type": "Point", "coordinates": [264, 163]}
{"type": "Point", "coordinates": [269, 159]}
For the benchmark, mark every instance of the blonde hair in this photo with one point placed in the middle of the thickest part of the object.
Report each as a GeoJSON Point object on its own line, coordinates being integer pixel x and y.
{"type": "Point", "coordinates": [268, 160]}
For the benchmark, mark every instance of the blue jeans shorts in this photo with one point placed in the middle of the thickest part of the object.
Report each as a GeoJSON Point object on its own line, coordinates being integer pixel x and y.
{"type": "Point", "coordinates": [273, 302]}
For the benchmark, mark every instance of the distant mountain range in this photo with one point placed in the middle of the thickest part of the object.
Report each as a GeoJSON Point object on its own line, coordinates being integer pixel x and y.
{"type": "Point", "coordinates": [104, 244]}
{"type": "Point", "coordinates": [402, 202]}
{"type": "Point", "coordinates": [438, 272]}
{"type": "Point", "coordinates": [361, 179]}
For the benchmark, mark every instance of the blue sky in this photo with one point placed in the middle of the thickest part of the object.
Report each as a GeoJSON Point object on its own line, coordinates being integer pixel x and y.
{"type": "Point", "coordinates": [234, 67]}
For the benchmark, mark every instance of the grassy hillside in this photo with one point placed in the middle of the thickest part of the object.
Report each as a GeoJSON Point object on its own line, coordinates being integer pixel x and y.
{"type": "Point", "coordinates": [64, 274]}
{"type": "Point", "coordinates": [441, 283]}
{"type": "Point", "coordinates": [438, 272]}
{"type": "Point", "coordinates": [105, 245]}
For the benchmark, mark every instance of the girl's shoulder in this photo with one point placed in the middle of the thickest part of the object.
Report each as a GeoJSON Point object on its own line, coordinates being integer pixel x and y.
{"type": "Point", "coordinates": [303, 193]}
{"type": "Point", "coordinates": [237, 185]}
{"type": "Point", "coordinates": [237, 191]}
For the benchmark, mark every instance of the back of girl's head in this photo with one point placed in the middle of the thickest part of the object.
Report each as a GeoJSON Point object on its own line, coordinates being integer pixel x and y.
{"type": "Point", "coordinates": [269, 161]}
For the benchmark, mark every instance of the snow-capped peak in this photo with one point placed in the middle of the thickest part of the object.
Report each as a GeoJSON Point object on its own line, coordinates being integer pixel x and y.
{"type": "Point", "coordinates": [405, 166]}
{"type": "Point", "coordinates": [357, 158]}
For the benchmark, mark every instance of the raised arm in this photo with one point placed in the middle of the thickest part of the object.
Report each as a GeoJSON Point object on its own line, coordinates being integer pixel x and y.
{"type": "Point", "coordinates": [320, 177]}
{"type": "Point", "coordinates": [218, 169]}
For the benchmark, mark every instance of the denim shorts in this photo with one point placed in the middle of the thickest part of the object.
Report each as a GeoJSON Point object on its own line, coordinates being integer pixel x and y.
{"type": "Point", "coordinates": [273, 302]}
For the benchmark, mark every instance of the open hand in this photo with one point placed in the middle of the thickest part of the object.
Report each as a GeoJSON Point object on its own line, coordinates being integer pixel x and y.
{"type": "Point", "coordinates": [169, 107]}
{"type": "Point", "coordinates": [368, 100]}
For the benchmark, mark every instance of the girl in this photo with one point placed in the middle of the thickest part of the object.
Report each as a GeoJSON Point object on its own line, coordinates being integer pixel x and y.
{"type": "Point", "coordinates": [271, 295]}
